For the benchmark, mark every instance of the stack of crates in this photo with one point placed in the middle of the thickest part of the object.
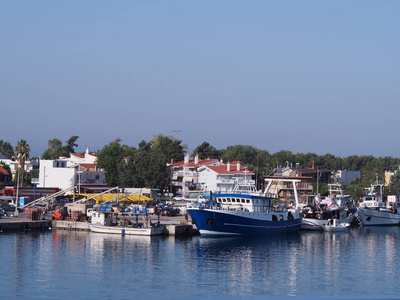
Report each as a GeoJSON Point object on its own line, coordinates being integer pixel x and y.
{"type": "Point", "coordinates": [33, 214]}
{"type": "Point", "coordinates": [75, 215]}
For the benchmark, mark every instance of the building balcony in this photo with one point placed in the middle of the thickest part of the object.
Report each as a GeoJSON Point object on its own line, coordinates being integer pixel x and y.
{"type": "Point", "coordinates": [184, 174]}
{"type": "Point", "coordinates": [233, 182]}
{"type": "Point", "coordinates": [92, 182]}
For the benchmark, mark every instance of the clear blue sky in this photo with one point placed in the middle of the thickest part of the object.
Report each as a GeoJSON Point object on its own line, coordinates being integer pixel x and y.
{"type": "Point", "coordinates": [304, 76]}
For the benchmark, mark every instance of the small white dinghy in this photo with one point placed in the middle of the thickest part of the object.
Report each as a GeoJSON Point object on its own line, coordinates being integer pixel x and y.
{"type": "Point", "coordinates": [336, 226]}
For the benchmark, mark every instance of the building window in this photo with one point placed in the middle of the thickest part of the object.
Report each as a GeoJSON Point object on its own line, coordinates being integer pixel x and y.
{"type": "Point", "coordinates": [59, 164]}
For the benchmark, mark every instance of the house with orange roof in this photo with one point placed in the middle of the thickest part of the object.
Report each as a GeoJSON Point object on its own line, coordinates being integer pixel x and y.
{"type": "Point", "coordinates": [223, 177]}
{"type": "Point", "coordinates": [5, 177]}
{"type": "Point", "coordinates": [184, 174]}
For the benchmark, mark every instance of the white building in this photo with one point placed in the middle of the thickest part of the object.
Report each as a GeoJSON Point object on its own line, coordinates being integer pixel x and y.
{"type": "Point", "coordinates": [77, 170]}
{"type": "Point", "coordinates": [222, 178]}
{"type": "Point", "coordinates": [14, 165]}
{"type": "Point", "coordinates": [184, 174]}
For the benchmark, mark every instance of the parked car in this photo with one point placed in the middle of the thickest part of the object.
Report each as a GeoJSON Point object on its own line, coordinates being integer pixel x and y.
{"type": "Point", "coordinates": [2, 213]}
{"type": "Point", "coordinates": [165, 201]}
{"type": "Point", "coordinates": [170, 211]}
{"type": "Point", "coordinates": [9, 208]}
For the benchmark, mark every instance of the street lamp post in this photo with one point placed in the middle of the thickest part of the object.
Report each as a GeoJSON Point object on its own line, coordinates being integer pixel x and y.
{"type": "Point", "coordinates": [16, 198]}
{"type": "Point", "coordinates": [34, 181]}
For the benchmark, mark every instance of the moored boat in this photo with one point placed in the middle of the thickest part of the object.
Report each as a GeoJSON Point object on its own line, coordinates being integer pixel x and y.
{"type": "Point", "coordinates": [245, 212]}
{"type": "Point", "coordinates": [335, 206]}
{"type": "Point", "coordinates": [334, 226]}
{"type": "Point", "coordinates": [107, 222]}
{"type": "Point", "coordinates": [372, 212]}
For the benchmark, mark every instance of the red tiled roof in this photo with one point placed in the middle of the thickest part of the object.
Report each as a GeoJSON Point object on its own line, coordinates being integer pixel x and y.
{"type": "Point", "coordinates": [201, 162]}
{"type": "Point", "coordinates": [88, 166]}
{"type": "Point", "coordinates": [223, 169]}
{"type": "Point", "coordinates": [178, 164]}
{"type": "Point", "coordinates": [4, 171]}
{"type": "Point", "coordinates": [78, 155]}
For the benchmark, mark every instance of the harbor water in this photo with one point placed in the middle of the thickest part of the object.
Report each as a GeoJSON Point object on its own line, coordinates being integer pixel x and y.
{"type": "Point", "coordinates": [362, 263]}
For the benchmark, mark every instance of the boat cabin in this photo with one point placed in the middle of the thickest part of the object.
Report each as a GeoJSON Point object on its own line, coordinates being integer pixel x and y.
{"type": "Point", "coordinates": [372, 201]}
{"type": "Point", "coordinates": [244, 203]}
{"type": "Point", "coordinates": [101, 218]}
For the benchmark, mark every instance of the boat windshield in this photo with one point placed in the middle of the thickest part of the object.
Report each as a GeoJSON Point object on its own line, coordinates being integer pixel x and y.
{"type": "Point", "coordinates": [245, 189]}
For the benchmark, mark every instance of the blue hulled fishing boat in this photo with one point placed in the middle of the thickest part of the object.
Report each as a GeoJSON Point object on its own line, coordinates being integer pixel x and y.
{"type": "Point", "coordinates": [246, 212]}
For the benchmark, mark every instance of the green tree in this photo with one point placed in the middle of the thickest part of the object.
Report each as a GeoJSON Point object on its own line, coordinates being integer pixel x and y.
{"type": "Point", "coordinates": [141, 172]}
{"type": "Point", "coordinates": [6, 149]}
{"type": "Point", "coordinates": [126, 171]}
{"type": "Point", "coordinates": [394, 186]}
{"type": "Point", "coordinates": [163, 150]}
{"type": "Point", "coordinates": [205, 150]}
{"type": "Point", "coordinates": [22, 152]}
{"type": "Point", "coordinates": [306, 160]}
{"type": "Point", "coordinates": [56, 148]}
{"type": "Point", "coordinates": [280, 158]}
{"type": "Point", "coordinates": [168, 148]}
{"type": "Point", "coordinates": [54, 151]}
{"type": "Point", "coordinates": [109, 158]}
{"type": "Point", "coordinates": [70, 145]}
{"type": "Point", "coordinates": [247, 155]}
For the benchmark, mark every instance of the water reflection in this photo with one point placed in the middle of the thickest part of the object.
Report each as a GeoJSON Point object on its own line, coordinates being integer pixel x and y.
{"type": "Point", "coordinates": [246, 265]}
{"type": "Point", "coordinates": [363, 261]}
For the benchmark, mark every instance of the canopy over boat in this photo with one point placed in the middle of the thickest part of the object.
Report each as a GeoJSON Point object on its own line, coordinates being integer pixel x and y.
{"type": "Point", "coordinates": [99, 198]}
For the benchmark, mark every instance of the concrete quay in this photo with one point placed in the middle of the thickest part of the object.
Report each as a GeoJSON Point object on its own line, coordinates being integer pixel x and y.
{"type": "Point", "coordinates": [20, 223]}
{"type": "Point", "coordinates": [174, 226]}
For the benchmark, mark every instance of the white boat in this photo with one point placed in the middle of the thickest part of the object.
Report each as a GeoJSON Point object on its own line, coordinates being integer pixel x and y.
{"type": "Point", "coordinates": [380, 216]}
{"type": "Point", "coordinates": [105, 222]}
{"type": "Point", "coordinates": [372, 212]}
{"type": "Point", "coordinates": [318, 225]}
{"type": "Point", "coordinates": [336, 226]}
{"type": "Point", "coordinates": [244, 211]}
{"type": "Point", "coordinates": [336, 206]}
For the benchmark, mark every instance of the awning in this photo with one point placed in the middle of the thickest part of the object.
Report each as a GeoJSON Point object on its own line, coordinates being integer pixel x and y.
{"type": "Point", "coordinates": [109, 196]}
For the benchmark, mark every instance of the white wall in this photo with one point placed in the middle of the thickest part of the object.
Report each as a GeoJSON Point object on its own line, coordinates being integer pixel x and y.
{"type": "Point", "coordinates": [208, 179]}
{"type": "Point", "coordinates": [61, 178]}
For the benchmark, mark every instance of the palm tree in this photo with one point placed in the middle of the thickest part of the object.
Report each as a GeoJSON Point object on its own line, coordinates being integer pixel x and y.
{"type": "Point", "coordinates": [22, 152]}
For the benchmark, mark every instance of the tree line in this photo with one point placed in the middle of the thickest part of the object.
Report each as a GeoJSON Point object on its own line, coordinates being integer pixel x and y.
{"type": "Point", "coordinates": [147, 164]}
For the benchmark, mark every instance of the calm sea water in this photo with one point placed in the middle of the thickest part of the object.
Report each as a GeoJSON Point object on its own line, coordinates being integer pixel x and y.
{"type": "Point", "coordinates": [364, 263]}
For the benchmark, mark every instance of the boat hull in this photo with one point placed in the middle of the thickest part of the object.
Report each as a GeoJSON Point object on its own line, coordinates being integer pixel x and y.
{"type": "Point", "coordinates": [147, 231]}
{"type": "Point", "coordinates": [374, 217]}
{"type": "Point", "coordinates": [337, 227]}
{"type": "Point", "coordinates": [212, 222]}
{"type": "Point", "coordinates": [318, 225]}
